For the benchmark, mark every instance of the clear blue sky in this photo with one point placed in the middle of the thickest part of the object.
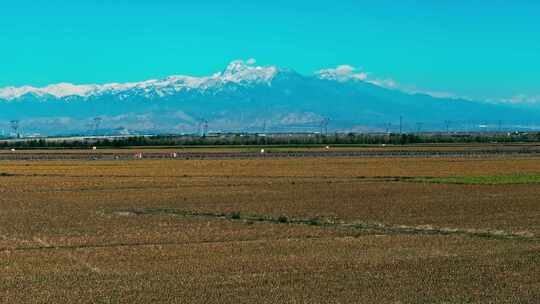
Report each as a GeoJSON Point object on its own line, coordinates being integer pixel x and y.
{"type": "Point", "coordinates": [468, 47]}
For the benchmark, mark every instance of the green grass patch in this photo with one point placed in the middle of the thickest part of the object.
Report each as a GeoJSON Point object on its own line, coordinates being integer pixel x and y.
{"type": "Point", "coordinates": [482, 180]}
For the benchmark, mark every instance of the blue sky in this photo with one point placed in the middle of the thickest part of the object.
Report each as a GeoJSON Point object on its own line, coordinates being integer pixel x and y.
{"type": "Point", "coordinates": [480, 49]}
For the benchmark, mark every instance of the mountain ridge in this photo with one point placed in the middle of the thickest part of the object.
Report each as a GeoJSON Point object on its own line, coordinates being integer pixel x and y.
{"type": "Point", "coordinates": [237, 71]}
{"type": "Point", "coordinates": [245, 97]}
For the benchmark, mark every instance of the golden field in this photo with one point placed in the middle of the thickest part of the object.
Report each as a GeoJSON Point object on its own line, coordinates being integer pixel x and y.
{"type": "Point", "coordinates": [295, 230]}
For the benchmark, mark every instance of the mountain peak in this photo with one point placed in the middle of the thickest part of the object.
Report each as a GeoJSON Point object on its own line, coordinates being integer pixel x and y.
{"type": "Point", "coordinates": [237, 66]}
{"type": "Point", "coordinates": [246, 71]}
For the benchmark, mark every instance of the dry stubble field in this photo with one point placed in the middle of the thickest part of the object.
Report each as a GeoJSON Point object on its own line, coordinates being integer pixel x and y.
{"type": "Point", "coordinates": [309, 230]}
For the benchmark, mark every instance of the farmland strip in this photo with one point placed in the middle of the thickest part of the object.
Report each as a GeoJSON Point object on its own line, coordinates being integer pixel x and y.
{"type": "Point", "coordinates": [274, 154]}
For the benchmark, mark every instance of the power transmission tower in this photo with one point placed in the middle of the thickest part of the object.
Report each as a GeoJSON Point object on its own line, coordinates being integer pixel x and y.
{"type": "Point", "coordinates": [205, 128]}
{"type": "Point", "coordinates": [15, 126]}
{"type": "Point", "coordinates": [447, 124]}
{"type": "Point", "coordinates": [419, 127]}
{"type": "Point", "coordinates": [97, 123]}
{"type": "Point", "coordinates": [90, 127]}
{"type": "Point", "coordinates": [388, 126]}
{"type": "Point", "coordinates": [324, 125]}
{"type": "Point", "coordinates": [400, 124]}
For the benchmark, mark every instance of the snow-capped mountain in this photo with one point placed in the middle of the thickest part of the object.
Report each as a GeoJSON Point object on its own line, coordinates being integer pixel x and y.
{"type": "Point", "coordinates": [237, 72]}
{"type": "Point", "coordinates": [243, 96]}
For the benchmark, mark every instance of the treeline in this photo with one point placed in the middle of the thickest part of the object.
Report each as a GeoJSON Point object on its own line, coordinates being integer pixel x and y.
{"type": "Point", "coordinates": [285, 139]}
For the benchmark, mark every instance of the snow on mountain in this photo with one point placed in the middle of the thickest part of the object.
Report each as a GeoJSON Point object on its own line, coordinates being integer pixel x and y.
{"type": "Point", "coordinates": [67, 89]}
{"type": "Point", "coordinates": [10, 93]}
{"type": "Point", "coordinates": [341, 73]}
{"type": "Point", "coordinates": [239, 72]}
{"type": "Point", "coordinates": [244, 96]}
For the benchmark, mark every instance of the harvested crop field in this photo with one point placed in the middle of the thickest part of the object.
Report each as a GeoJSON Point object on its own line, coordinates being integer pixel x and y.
{"type": "Point", "coordinates": [250, 152]}
{"type": "Point", "coordinates": [271, 230]}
